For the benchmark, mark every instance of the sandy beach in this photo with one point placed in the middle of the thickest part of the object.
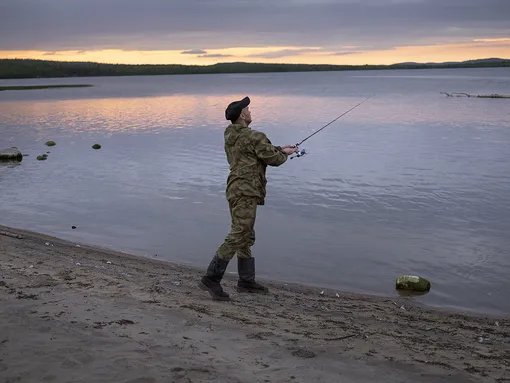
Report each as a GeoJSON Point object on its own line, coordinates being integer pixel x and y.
{"type": "Point", "coordinates": [76, 313]}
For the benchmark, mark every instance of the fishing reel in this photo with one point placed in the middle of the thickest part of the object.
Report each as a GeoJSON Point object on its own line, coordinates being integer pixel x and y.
{"type": "Point", "coordinates": [300, 153]}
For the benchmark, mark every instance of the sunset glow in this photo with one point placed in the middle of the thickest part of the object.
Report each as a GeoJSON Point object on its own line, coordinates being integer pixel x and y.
{"type": "Point", "coordinates": [478, 48]}
{"type": "Point", "coordinates": [196, 32]}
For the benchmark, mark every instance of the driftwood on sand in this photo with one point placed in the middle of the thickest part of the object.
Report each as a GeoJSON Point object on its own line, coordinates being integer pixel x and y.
{"type": "Point", "coordinates": [9, 234]}
{"type": "Point", "coordinates": [475, 95]}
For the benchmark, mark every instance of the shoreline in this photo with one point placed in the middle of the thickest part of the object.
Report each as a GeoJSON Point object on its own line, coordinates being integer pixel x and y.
{"type": "Point", "coordinates": [316, 287]}
{"type": "Point", "coordinates": [72, 69]}
{"type": "Point", "coordinates": [86, 313]}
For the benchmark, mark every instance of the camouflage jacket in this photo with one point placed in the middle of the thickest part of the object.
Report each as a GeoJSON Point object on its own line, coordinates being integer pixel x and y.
{"type": "Point", "coordinates": [248, 154]}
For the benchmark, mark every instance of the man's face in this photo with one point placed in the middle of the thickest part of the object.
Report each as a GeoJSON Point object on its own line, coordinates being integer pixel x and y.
{"type": "Point", "coordinates": [246, 115]}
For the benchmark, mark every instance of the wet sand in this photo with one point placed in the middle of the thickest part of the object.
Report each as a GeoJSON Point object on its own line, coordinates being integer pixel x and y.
{"type": "Point", "coordinates": [74, 313]}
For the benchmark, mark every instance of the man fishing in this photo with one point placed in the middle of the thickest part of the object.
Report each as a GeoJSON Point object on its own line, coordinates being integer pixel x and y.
{"type": "Point", "coordinates": [249, 152]}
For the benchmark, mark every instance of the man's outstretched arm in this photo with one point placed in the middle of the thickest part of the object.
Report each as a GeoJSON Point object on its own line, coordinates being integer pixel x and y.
{"type": "Point", "coordinates": [268, 153]}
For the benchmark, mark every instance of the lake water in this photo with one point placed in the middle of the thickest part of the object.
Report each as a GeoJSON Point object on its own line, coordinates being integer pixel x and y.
{"type": "Point", "coordinates": [411, 182]}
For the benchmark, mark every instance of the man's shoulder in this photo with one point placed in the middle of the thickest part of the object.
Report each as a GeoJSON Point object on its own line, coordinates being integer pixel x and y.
{"type": "Point", "coordinates": [245, 136]}
{"type": "Point", "coordinates": [255, 136]}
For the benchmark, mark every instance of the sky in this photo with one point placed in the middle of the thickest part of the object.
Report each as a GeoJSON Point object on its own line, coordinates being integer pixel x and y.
{"type": "Point", "coordinates": [203, 32]}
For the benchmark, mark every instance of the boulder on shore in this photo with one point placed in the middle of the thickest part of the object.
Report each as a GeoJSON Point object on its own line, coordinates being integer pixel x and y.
{"type": "Point", "coordinates": [10, 154]}
{"type": "Point", "coordinates": [412, 283]}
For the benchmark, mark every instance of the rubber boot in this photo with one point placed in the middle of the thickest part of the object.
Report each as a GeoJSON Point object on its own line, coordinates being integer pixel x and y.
{"type": "Point", "coordinates": [211, 280]}
{"type": "Point", "coordinates": [246, 283]}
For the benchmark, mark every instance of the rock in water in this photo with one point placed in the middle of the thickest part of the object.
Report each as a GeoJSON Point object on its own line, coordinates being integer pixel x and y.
{"type": "Point", "coordinates": [412, 283]}
{"type": "Point", "coordinates": [96, 146]}
{"type": "Point", "coordinates": [50, 143]}
{"type": "Point", "coordinates": [10, 154]}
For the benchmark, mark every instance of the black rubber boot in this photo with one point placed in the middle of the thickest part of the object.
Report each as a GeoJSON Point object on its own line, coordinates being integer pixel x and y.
{"type": "Point", "coordinates": [211, 280]}
{"type": "Point", "coordinates": [246, 283]}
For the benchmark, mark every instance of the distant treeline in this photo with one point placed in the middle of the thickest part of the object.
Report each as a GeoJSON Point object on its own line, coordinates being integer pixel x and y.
{"type": "Point", "coordinates": [27, 68]}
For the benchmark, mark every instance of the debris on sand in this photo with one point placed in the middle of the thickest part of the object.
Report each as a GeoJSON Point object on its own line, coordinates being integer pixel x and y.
{"type": "Point", "coordinates": [66, 275]}
{"type": "Point", "coordinates": [22, 295]}
{"type": "Point", "coordinates": [303, 353]}
{"type": "Point", "coordinates": [9, 234]}
{"type": "Point", "coordinates": [121, 322]}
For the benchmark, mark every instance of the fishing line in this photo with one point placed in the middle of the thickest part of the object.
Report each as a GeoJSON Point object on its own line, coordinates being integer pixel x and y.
{"type": "Point", "coordinates": [302, 152]}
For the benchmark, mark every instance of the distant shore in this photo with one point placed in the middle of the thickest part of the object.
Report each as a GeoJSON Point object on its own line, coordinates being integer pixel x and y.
{"type": "Point", "coordinates": [72, 312]}
{"type": "Point", "coordinates": [28, 68]}
{"type": "Point", "coordinates": [28, 87]}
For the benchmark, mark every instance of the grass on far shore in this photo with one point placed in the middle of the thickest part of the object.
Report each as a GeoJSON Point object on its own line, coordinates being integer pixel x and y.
{"type": "Point", "coordinates": [24, 87]}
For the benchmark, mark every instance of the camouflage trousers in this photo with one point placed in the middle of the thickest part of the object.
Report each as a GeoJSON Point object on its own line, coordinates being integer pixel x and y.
{"type": "Point", "coordinates": [243, 211]}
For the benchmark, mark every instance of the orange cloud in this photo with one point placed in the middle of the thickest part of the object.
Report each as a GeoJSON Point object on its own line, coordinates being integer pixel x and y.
{"type": "Point", "coordinates": [348, 55]}
{"type": "Point", "coordinates": [500, 40]}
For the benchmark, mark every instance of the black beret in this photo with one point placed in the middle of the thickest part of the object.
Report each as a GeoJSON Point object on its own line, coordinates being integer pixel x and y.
{"type": "Point", "coordinates": [234, 109]}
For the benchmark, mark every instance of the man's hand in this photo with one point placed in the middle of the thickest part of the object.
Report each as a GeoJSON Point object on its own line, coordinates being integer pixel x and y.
{"type": "Point", "coordinates": [289, 149]}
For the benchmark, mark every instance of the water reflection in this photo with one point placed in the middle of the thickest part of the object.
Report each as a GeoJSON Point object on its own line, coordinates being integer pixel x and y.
{"type": "Point", "coordinates": [296, 114]}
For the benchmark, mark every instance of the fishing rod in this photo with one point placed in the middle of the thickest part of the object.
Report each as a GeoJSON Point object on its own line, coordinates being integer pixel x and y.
{"type": "Point", "coordinates": [302, 152]}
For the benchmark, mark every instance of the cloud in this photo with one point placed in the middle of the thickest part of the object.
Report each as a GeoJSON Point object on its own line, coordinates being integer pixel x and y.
{"type": "Point", "coordinates": [284, 53]}
{"type": "Point", "coordinates": [54, 25]}
{"type": "Point", "coordinates": [494, 45]}
{"type": "Point", "coordinates": [502, 40]}
{"type": "Point", "coordinates": [194, 52]}
{"type": "Point", "coordinates": [345, 53]}
{"type": "Point", "coordinates": [214, 55]}
{"type": "Point", "coordinates": [60, 53]}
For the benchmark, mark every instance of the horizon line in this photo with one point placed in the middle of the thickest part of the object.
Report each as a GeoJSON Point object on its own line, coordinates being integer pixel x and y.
{"type": "Point", "coordinates": [262, 63]}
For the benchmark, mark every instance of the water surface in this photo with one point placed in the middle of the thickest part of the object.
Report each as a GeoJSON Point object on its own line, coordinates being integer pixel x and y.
{"type": "Point", "coordinates": [411, 182]}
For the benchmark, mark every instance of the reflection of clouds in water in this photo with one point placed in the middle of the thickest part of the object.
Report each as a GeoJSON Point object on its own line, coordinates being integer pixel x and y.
{"type": "Point", "coordinates": [305, 114]}
{"type": "Point", "coordinates": [301, 101]}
